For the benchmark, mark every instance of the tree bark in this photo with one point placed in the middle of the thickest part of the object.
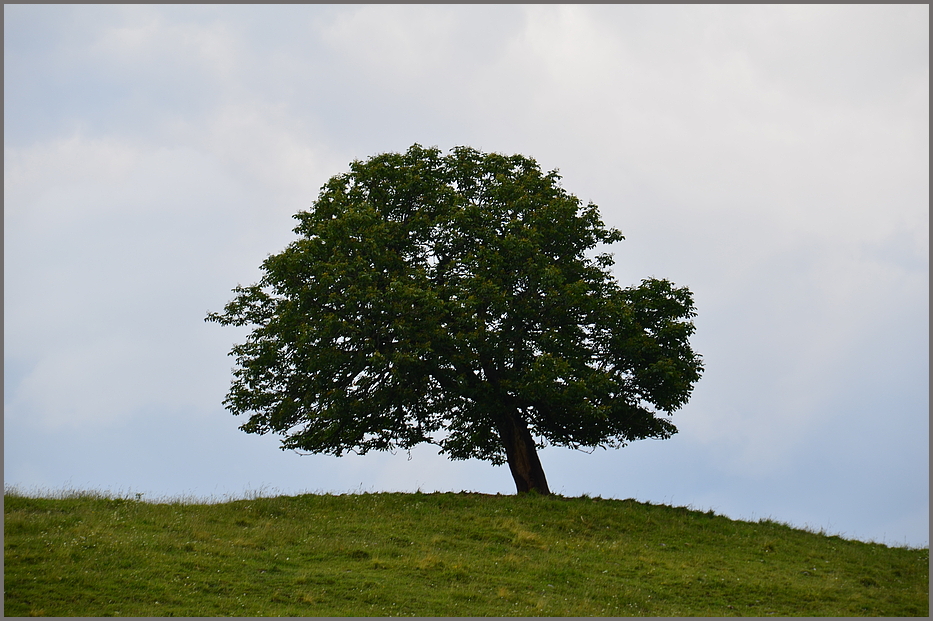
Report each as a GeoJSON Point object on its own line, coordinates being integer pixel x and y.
{"type": "Point", "coordinates": [522, 455]}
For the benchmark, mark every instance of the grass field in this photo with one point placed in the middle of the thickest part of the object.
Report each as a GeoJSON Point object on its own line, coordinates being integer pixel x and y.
{"type": "Point", "coordinates": [436, 555]}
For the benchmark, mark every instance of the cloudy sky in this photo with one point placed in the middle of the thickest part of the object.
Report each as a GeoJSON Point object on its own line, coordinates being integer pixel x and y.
{"type": "Point", "coordinates": [773, 159]}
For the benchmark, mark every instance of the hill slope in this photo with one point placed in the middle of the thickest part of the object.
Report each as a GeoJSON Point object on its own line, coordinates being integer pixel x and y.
{"type": "Point", "coordinates": [436, 555]}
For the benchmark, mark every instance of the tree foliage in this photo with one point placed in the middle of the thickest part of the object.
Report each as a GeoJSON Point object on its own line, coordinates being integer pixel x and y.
{"type": "Point", "coordinates": [456, 299]}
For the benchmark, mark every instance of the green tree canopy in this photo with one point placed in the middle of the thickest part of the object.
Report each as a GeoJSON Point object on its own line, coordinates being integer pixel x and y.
{"type": "Point", "coordinates": [455, 299]}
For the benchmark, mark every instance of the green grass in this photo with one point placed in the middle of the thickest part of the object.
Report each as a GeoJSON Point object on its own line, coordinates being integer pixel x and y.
{"type": "Point", "coordinates": [436, 555]}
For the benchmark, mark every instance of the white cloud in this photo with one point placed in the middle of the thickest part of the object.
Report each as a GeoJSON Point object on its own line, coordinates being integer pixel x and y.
{"type": "Point", "coordinates": [701, 115]}
{"type": "Point", "coordinates": [99, 383]}
{"type": "Point", "coordinates": [146, 38]}
{"type": "Point", "coordinates": [108, 254]}
{"type": "Point", "coordinates": [73, 161]}
{"type": "Point", "coordinates": [269, 146]}
{"type": "Point", "coordinates": [393, 44]}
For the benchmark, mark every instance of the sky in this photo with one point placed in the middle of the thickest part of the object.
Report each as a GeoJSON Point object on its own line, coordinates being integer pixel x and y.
{"type": "Point", "coordinates": [773, 159]}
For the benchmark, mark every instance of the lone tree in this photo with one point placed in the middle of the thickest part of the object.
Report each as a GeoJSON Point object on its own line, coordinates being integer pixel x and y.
{"type": "Point", "coordinates": [453, 299]}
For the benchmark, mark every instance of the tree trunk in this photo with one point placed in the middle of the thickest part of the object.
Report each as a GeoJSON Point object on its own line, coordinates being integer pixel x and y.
{"type": "Point", "coordinates": [522, 456]}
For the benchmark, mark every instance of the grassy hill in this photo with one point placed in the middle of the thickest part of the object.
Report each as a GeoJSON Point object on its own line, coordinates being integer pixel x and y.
{"type": "Point", "coordinates": [436, 555]}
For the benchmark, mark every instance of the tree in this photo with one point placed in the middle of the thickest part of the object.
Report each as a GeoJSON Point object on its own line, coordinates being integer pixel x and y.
{"type": "Point", "coordinates": [455, 299]}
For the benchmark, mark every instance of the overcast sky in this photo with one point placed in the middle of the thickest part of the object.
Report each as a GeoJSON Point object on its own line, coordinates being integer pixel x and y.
{"type": "Point", "coordinates": [775, 160]}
